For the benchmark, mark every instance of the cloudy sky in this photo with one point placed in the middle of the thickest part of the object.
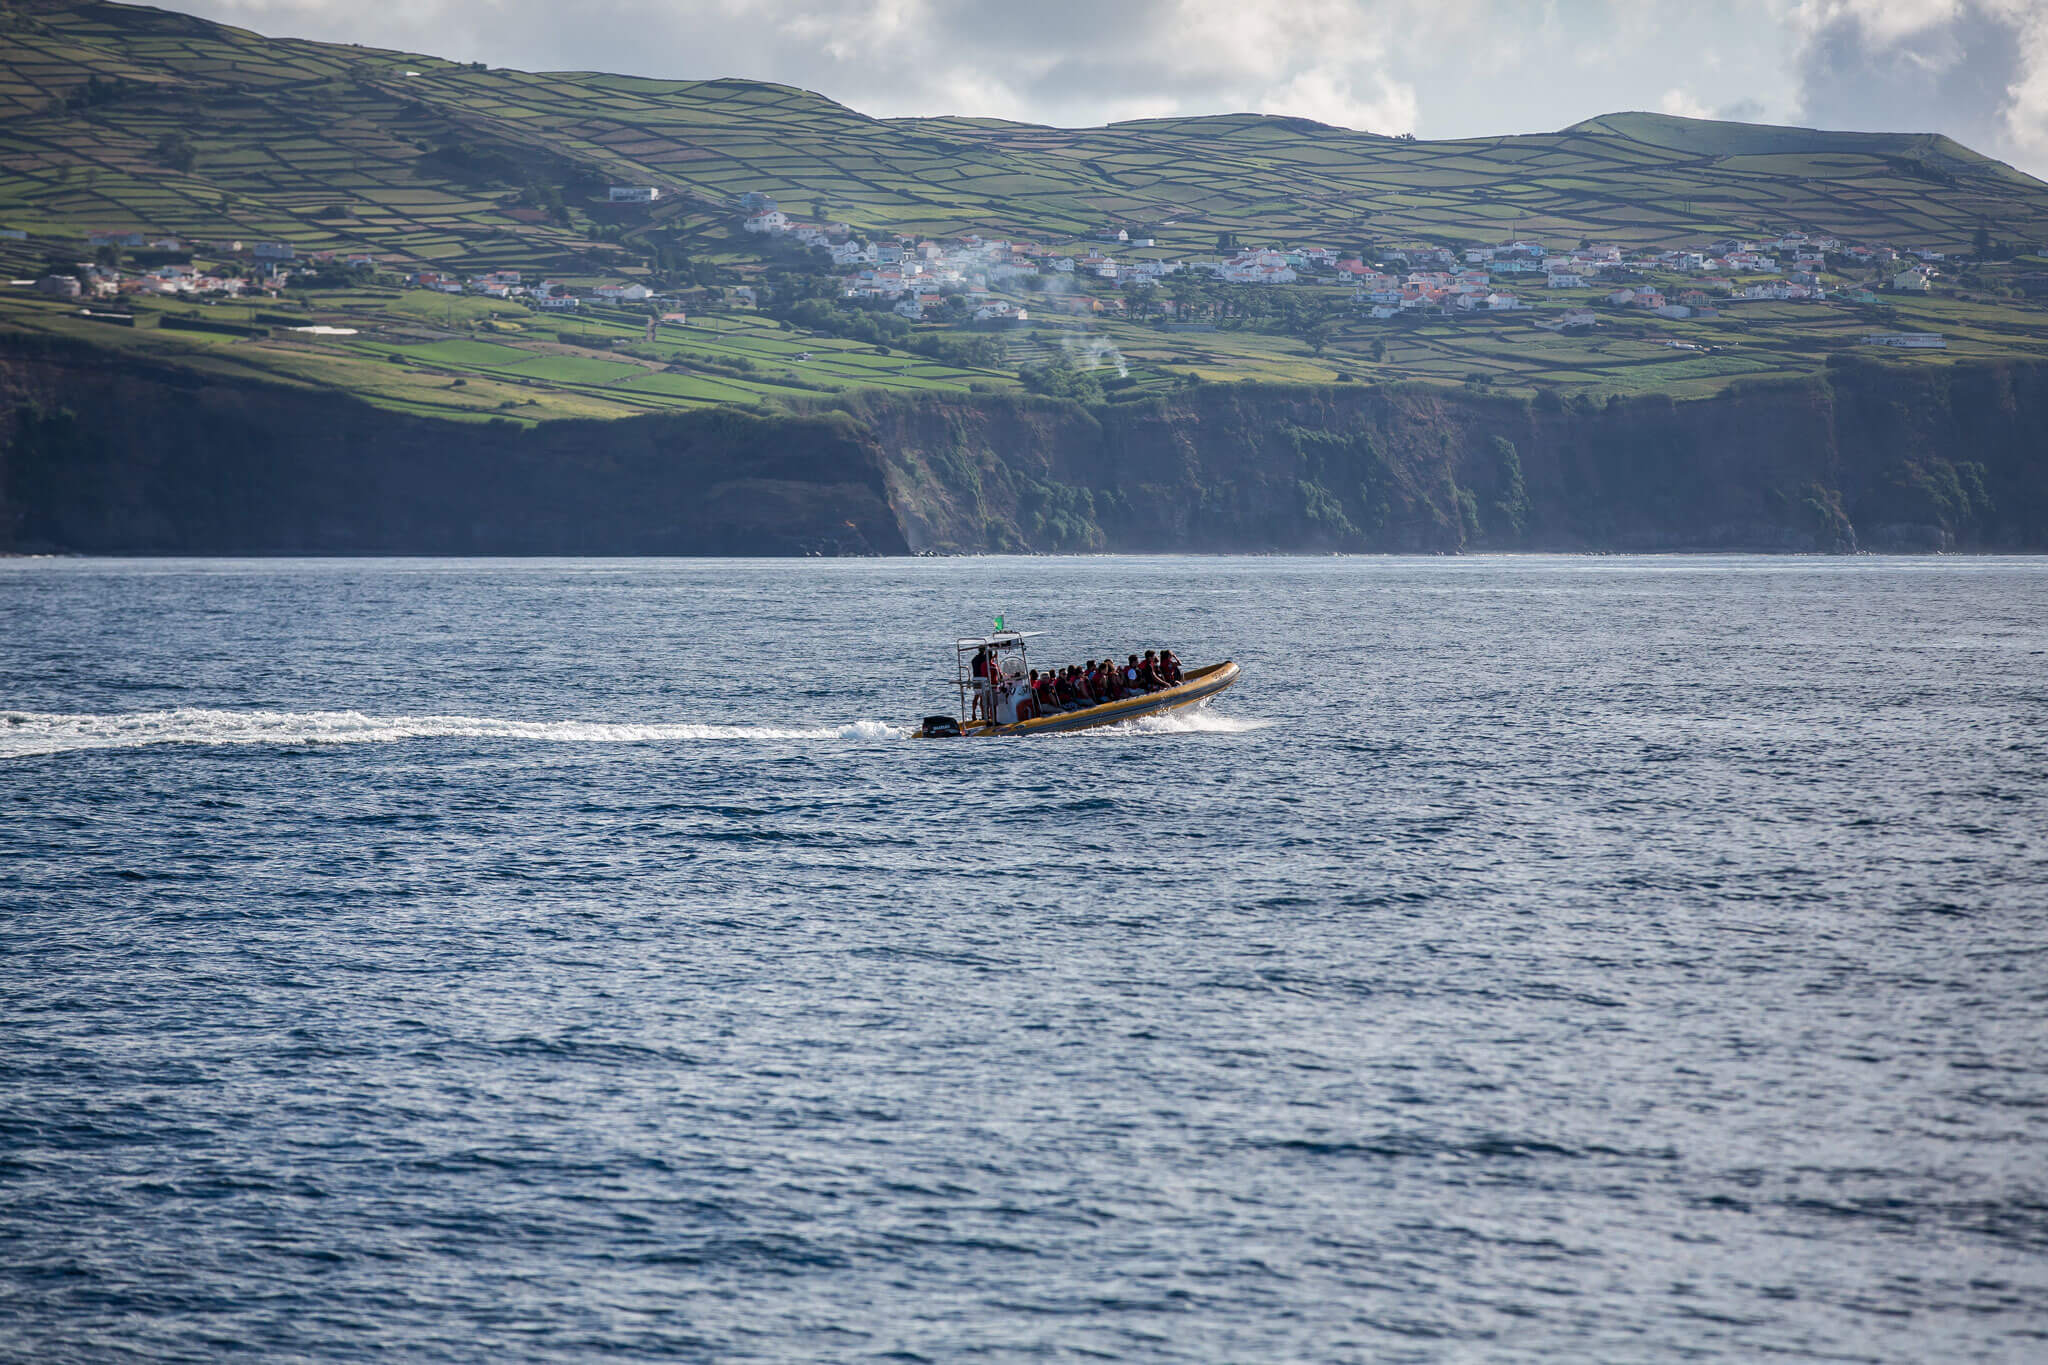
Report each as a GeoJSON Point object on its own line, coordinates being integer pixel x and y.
{"type": "Point", "coordinates": [1974, 69]}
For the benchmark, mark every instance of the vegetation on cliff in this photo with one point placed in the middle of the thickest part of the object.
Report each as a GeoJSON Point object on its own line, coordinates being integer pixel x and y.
{"type": "Point", "coordinates": [98, 456]}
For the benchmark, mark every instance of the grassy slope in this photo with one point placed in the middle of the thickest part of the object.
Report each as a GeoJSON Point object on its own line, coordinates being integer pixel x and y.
{"type": "Point", "coordinates": [336, 146]}
{"type": "Point", "coordinates": [286, 129]}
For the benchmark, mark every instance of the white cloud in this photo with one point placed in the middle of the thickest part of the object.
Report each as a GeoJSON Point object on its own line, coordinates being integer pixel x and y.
{"type": "Point", "coordinates": [1682, 103]}
{"type": "Point", "coordinates": [1974, 69]}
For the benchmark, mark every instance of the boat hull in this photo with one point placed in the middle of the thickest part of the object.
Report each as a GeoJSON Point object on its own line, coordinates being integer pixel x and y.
{"type": "Point", "coordinates": [1197, 687]}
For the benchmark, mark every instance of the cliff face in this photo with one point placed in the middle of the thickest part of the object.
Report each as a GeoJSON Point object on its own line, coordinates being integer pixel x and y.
{"type": "Point", "coordinates": [1868, 457]}
{"type": "Point", "coordinates": [102, 454]}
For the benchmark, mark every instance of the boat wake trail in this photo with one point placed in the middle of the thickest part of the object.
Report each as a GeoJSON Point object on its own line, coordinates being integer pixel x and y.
{"type": "Point", "coordinates": [25, 734]}
{"type": "Point", "coordinates": [1197, 721]}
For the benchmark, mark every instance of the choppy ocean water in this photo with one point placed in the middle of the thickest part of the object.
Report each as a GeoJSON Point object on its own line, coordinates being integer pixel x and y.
{"type": "Point", "coordinates": [1532, 959]}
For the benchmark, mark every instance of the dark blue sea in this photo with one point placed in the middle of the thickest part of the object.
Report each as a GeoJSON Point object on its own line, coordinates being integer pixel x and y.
{"type": "Point", "coordinates": [1531, 959]}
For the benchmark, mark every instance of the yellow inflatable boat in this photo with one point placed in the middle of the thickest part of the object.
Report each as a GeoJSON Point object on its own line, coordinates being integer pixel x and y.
{"type": "Point", "coordinates": [1003, 704]}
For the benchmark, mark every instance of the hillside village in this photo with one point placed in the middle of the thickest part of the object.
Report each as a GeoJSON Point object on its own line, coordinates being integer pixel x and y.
{"type": "Point", "coordinates": [784, 311]}
{"type": "Point", "coordinates": [918, 276]}
{"type": "Point", "coordinates": [1115, 272]}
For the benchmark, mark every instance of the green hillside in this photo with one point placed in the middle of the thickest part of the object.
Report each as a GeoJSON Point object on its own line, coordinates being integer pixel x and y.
{"type": "Point", "coordinates": [283, 131]}
{"type": "Point", "coordinates": [125, 118]}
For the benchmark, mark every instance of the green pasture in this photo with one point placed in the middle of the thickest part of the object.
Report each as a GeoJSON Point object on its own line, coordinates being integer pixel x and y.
{"type": "Point", "coordinates": [284, 129]}
{"type": "Point", "coordinates": [423, 170]}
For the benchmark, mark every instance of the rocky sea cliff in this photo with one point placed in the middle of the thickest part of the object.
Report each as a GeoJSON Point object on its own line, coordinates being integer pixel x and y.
{"type": "Point", "coordinates": [103, 454]}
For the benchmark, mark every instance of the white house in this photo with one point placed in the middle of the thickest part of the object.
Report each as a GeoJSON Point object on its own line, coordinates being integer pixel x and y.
{"type": "Point", "coordinates": [634, 194]}
{"type": "Point", "coordinates": [1909, 341]}
{"type": "Point", "coordinates": [624, 293]}
{"type": "Point", "coordinates": [1564, 280]}
{"type": "Point", "coordinates": [1910, 281]}
{"type": "Point", "coordinates": [769, 221]}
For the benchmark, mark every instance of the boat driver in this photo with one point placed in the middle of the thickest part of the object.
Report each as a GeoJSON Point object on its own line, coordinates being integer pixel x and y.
{"type": "Point", "coordinates": [983, 685]}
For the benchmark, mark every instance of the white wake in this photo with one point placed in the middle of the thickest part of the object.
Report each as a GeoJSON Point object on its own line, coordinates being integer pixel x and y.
{"type": "Point", "coordinates": [1196, 721]}
{"type": "Point", "coordinates": [24, 734]}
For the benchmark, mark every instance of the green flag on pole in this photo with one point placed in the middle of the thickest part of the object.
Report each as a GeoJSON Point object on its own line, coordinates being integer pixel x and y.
{"type": "Point", "coordinates": [999, 623]}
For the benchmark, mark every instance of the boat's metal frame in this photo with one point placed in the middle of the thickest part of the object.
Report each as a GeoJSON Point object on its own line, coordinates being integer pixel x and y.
{"type": "Point", "coordinates": [982, 709]}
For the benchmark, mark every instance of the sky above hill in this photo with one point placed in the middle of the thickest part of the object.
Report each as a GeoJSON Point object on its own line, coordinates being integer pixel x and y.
{"type": "Point", "coordinates": [1974, 69]}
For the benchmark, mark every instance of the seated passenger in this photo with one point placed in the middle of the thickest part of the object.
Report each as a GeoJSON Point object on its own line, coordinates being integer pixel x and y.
{"type": "Point", "coordinates": [1148, 673]}
{"type": "Point", "coordinates": [1133, 684]}
{"type": "Point", "coordinates": [1169, 668]}
{"type": "Point", "coordinates": [1063, 688]}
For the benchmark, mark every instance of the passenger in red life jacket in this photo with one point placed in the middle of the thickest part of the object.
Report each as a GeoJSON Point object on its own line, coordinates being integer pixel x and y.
{"type": "Point", "coordinates": [1042, 688]}
{"type": "Point", "coordinates": [1063, 689]}
{"type": "Point", "coordinates": [1169, 668]}
{"type": "Point", "coordinates": [1148, 673]}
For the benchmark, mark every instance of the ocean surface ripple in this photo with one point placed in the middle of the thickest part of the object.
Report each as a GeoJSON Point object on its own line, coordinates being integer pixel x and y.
{"type": "Point", "coordinates": [1531, 959]}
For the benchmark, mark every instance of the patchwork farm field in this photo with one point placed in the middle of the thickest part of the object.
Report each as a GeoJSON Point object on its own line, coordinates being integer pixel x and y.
{"type": "Point", "coordinates": [125, 118]}
{"type": "Point", "coordinates": [365, 149]}
{"type": "Point", "coordinates": [592, 367]}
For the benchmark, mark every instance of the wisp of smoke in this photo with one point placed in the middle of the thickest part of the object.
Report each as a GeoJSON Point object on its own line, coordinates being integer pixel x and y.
{"type": "Point", "coordinates": [1090, 353]}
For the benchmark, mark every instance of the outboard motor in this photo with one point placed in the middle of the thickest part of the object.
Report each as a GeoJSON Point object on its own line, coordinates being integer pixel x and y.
{"type": "Point", "coordinates": [940, 727]}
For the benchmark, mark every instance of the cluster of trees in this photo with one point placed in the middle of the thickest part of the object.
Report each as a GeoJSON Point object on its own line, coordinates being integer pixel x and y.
{"type": "Point", "coordinates": [812, 302]}
{"type": "Point", "coordinates": [175, 150]}
{"type": "Point", "coordinates": [1058, 378]}
{"type": "Point", "coordinates": [1241, 307]}
{"type": "Point", "coordinates": [667, 253]}
{"type": "Point", "coordinates": [98, 90]}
